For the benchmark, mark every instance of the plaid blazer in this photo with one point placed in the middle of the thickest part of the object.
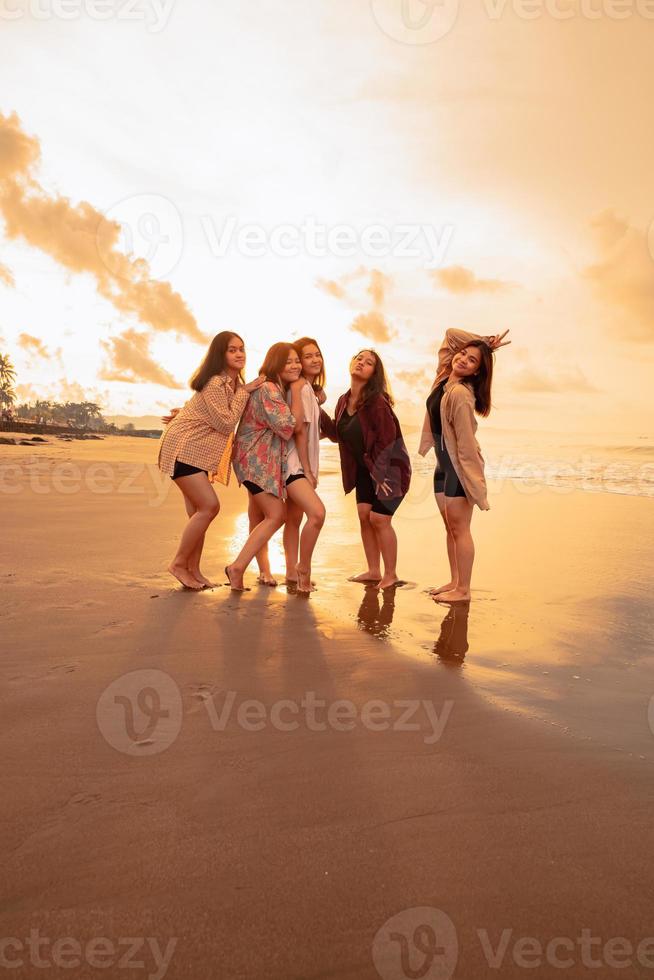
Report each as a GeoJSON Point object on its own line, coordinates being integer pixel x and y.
{"type": "Point", "coordinates": [202, 433]}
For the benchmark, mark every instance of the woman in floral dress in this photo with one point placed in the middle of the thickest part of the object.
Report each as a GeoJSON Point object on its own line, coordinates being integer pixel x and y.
{"type": "Point", "coordinates": [260, 452]}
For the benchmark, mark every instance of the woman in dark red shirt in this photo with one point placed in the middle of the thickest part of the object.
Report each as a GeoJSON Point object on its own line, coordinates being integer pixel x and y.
{"type": "Point", "coordinates": [374, 462]}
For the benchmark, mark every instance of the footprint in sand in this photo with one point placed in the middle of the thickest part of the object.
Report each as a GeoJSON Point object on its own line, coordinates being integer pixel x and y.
{"type": "Point", "coordinates": [83, 799]}
{"type": "Point", "coordinates": [201, 693]}
{"type": "Point", "coordinates": [116, 624]}
{"type": "Point", "coordinates": [63, 668]}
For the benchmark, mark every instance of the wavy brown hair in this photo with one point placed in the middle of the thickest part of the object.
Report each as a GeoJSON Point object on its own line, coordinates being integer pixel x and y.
{"type": "Point", "coordinates": [378, 383]}
{"type": "Point", "coordinates": [214, 361]}
{"type": "Point", "coordinates": [304, 342]}
{"type": "Point", "coordinates": [275, 361]}
{"type": "Point", "coordinates": [482, 381]}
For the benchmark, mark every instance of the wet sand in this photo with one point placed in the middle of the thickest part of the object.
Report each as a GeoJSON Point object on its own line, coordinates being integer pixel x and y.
{"type": "Point", "coordinates": [276, 840]}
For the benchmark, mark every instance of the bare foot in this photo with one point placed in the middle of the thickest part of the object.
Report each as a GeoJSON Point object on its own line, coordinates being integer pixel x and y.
{"type": "Point", "coordinates": [304, 583]}
{"type": "Point", "coordinates": [454, 595]}
{"type": "Point", "coordinates": [235, 579]}
{"type": "Point", "coordinates": [266, 578]}
{"type": "Point", "coordinates": [183, 575]}
{"type": "Point", "coordinates": [289, 580]}
{"type": "Point", "coordinates": [390, 580]}
{"type": "Point", "coordinates": [442, 588]}
{"type": "Point", "coordinates": [202, 579]}
{"type": "Point", "coordinates": [366, 577]}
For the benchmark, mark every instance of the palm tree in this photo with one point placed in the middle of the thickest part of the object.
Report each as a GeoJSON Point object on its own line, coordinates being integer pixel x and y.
{"type": "Point", "coordinates": [7, 394]}
{"type": "Point", "coordinates": [7, 371]}
{"type": "Point", "coordinates": [7, 378]}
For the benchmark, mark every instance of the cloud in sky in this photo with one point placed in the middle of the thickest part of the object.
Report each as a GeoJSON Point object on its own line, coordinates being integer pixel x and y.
{"type": "Point", "coordinates": [129, 359]}
{"type": "Point", "coordinates": [6, 275]}
{"type": "Point", "coordinates": [331, 287]}
{"type": "Point", "coordinates": [374, 326]}
{"type": "Point", "coordinates": [377, 286]}
{"type": "Point", "coordinates": [34, 346]}
{"type": "Point", "coordinates": [459, 279]}
{"type": "Point", "coordinates": [550, 375]}
{"type": "Point", "coordinates": [346, 286]}
{"type": "Point", "coordinates": [59, 391]}
{"type": "Point", "coordinates": [415, 379]}
{"type": "Point", "coordinates": [80, 239]}
{"type": "Point", "coordinates": [624, 275]}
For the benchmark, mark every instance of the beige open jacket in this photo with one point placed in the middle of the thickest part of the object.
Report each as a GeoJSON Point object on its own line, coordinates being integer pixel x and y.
{"type": "Point", "coordinates": [459, 422]}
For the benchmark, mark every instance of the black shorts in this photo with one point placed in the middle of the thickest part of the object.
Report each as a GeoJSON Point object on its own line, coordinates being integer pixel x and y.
{"type": "Point", "coordinates": [185, 469]}
{"type": "Point", "coordinates": [254, 488]}
{"type": "Point", "coordinates": [445, 479]}
{"type": "Point", "coordinates": [365, 494]}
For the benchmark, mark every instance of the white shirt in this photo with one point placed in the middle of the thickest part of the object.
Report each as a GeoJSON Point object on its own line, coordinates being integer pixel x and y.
{"type": "Point", "coordinates": [311, 411]}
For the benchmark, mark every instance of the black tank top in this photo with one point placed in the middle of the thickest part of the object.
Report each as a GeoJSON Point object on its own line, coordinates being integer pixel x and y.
{"type": "Point", "coordinates": [350, 431]}
{"type": "Point", "coordinates": [434, 408]}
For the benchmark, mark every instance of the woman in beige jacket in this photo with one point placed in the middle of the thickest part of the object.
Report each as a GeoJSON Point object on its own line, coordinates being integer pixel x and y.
{"type": "Point", "coordinates": [462, 387]}
{"type": "Point", "coordinates": [196, 446]}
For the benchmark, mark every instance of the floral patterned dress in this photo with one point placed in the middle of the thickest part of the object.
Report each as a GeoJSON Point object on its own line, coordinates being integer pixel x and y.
{"type": "Point", "coordinates": [260, 446]}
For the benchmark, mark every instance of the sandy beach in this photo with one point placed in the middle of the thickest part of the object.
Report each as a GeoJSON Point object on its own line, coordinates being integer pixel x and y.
{"type": "Point", "coordinates": [254, 785]}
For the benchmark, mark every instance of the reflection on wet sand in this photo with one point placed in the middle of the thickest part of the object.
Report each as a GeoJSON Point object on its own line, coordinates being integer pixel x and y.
{"type": "Point", "coordinates": [452, 644]}
{"type": "Point", "coordinates": [376, 612]}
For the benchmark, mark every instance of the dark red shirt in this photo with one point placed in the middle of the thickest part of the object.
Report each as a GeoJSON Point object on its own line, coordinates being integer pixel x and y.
{"type": "Point", "coordinates": [385, 453]}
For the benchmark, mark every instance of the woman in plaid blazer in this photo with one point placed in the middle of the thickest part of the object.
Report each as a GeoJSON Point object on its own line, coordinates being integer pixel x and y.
{"type": "Point", "coordinates": [197, 445]}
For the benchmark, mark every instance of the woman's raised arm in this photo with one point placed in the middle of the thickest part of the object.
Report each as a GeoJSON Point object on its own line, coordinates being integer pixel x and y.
{"type": "Point", "coordinates": [455, 340]}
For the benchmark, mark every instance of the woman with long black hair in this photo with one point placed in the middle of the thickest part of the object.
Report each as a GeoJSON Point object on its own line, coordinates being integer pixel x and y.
{"type": "Point", "coordinates": [197, 443]}
{"type": "Point", "coordinates": [462, 388]}
{"type": "Point", "coordinates": [374, 462]}
{"type": "Point", "coordinates": [306, 395]}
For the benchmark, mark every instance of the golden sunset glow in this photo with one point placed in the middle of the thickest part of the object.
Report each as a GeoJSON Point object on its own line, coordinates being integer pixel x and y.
{"type": "Point", "coordinates": [289, 169]}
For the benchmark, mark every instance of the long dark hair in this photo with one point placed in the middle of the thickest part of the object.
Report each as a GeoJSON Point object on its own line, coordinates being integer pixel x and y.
{"type": "Point", "coordinates": [275, 361]}
{"type": "Point", "coordinates": [378, 383]}
{"type": "Point", "coordinates": [214, 361]}
{"type": "Point", "coordinates": [482, 381]}
{"type": "Point", "coordinates": [303, 342]}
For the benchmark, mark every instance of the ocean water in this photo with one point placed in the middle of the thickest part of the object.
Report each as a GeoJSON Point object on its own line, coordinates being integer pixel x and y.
{"type": "Point", "coordinates": [565, 461]}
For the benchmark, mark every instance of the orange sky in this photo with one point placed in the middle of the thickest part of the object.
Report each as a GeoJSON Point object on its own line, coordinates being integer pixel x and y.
{"type": "Point", "coordinates": [287, 168]}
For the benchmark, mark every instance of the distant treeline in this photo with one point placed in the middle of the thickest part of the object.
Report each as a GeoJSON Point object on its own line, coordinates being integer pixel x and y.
{"type": "Point", "coordinates": [85, 416]}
